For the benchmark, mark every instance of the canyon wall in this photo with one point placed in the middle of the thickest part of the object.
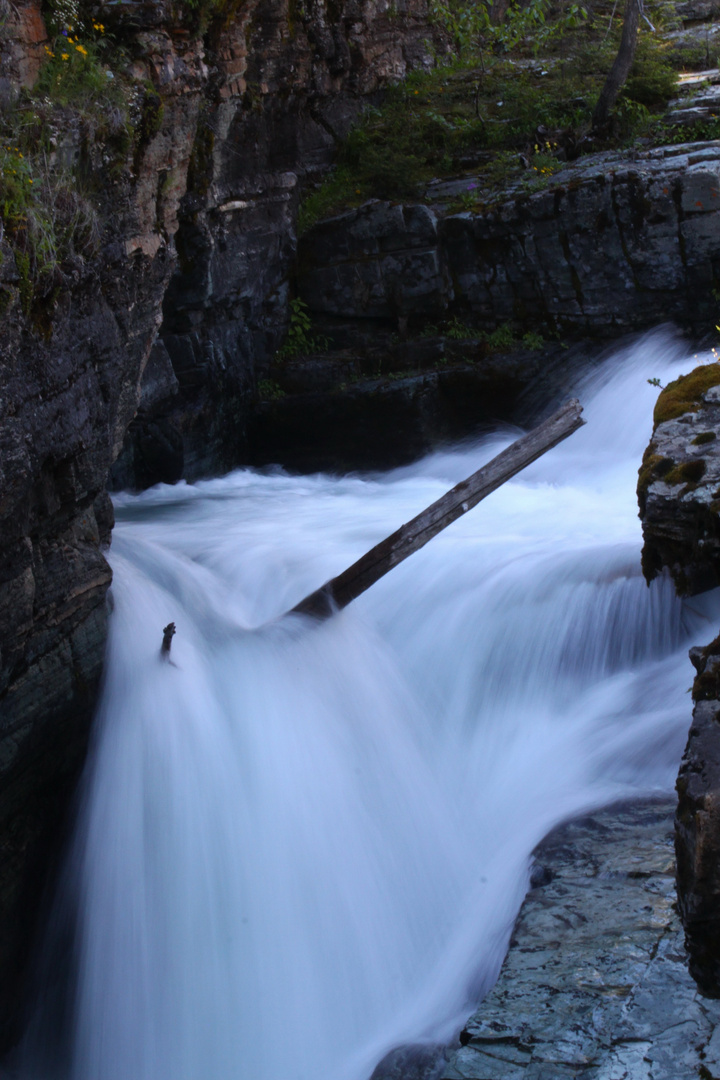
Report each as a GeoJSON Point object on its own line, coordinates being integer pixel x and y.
{"type": "Point", "coordinates": [194, 225]}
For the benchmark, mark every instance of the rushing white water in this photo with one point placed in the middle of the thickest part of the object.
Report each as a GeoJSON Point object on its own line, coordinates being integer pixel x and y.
{"type": "Point", "coordinates": [302, 845]}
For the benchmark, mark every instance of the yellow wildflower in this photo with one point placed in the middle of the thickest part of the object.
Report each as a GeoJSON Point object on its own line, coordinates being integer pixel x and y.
{"type": "Point", "coordinates": [81, 49]}
{"type": "Point", "coordinates": [65, 56]}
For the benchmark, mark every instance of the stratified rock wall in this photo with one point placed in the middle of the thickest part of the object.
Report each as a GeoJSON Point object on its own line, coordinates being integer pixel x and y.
{"type": "Point", "coordinates": [70, 387]}
{"type": "Point", "coordinates": [237, 117]}
{"type": "Point", "coordinates": [615, 243]}
{"type": "Point", "coordinates": [288, 81]}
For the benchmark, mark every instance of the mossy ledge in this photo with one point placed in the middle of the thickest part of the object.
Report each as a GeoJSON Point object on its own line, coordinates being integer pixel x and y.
{"type": "Point", "coordinates": [685, 394]}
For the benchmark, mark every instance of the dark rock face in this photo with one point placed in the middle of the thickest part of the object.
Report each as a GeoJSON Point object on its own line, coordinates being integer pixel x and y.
{"type": "Point", "coordinates": [334, 417]}
{"type": "Point", "coordinates": [697, 825]}
{"type": "Point", "coordinates": [66, 404]}
{"type": "Point", "coordinates": [286, 85]}
{"type": "Point", "coordinates": [613, 244]}
{"type": "Point", "coordinates": [69, 391]}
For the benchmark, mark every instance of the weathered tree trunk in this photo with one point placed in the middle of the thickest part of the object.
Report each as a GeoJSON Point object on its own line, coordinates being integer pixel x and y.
{"type": "Point", "coordinates": [622, 64]}
{"type": "Point", "coordinates": [339, 591]}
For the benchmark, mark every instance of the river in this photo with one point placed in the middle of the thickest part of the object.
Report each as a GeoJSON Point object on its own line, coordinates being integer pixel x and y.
{"type": "Point", "coordinates": [300, 845]}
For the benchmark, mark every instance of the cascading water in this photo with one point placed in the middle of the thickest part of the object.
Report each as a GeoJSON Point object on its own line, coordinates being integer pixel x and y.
{"type": "Point", "coordinates": [301, 845]}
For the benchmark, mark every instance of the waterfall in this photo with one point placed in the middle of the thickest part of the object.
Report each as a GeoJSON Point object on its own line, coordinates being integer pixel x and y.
{"type": "Point", "coordinates": [300, 845]}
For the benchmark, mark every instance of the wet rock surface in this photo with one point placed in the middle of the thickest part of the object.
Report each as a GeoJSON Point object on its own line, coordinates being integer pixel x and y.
{"type": "Point", "coordinates": [595, 984]}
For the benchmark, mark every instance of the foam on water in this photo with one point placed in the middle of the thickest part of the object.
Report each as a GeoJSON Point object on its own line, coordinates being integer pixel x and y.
{"type": "Point", "coordinates": [304, 844]}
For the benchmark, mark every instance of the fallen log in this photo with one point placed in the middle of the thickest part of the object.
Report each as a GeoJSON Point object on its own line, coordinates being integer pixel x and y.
{"type": "Point", "coordinates": [340, 590]}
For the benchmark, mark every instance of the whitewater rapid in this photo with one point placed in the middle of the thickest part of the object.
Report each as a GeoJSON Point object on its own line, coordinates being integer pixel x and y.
{"type": "Point", "coordinates": [301, 845]}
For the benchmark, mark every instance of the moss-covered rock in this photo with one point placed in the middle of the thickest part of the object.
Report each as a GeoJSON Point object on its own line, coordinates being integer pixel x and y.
{"type": "Point", "coordinates": [686, 393]}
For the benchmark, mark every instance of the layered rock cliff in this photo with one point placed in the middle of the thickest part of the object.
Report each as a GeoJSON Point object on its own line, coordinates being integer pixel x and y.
{"type": "Point", "coordinates": [69, 390]}
{"type": "Point", "coordinates": [191, 195]}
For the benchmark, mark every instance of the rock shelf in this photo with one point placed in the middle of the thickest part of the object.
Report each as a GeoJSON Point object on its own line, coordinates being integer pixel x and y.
{"type": "Point", "coordinates": [596, 984]}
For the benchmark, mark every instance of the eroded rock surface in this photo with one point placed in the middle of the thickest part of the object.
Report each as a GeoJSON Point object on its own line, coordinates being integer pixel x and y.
{"type": "Point", "coordinates": [595, 984]}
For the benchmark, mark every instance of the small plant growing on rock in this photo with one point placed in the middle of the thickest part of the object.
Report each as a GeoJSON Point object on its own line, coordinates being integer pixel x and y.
{"type": "Point", "coordinates": [269, 390]}
{"type": "Point", "coordinates": [502, 338]}
{"type": "Point", "coordinates": [533, 340]}
{"type": "Point", "coordinates": [300, 340]}
{"type": "Point", "coordinates": [457, 330]}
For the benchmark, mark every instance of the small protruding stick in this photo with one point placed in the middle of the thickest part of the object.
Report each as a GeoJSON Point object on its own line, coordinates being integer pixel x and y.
{"type": "Point", "coordinates": [168, 633]}
{"type": "Point", "coordinates": [339, 591]}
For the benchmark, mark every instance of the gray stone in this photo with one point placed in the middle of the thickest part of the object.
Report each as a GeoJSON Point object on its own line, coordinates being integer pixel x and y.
{"type": "Point", "coordinates": [595, 983]}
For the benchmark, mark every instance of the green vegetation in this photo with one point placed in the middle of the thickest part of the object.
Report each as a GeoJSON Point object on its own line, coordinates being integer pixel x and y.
{"type": "Point", "coordinates": [60, 145]}
{"type": "Point", "coordinates": [494, 110]}
{"type": "Point", "coordinates": [269, 390]}
{"type": "Point", "coordinates": [684, 395]}
{"type": "Point", "coordinates": [300, 340]}
{"type": "Point", "coordinates": [704, 437]}
{"type": "Point", "coordinates": [689, 472]}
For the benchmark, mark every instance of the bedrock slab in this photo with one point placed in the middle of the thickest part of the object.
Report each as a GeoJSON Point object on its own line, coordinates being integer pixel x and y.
{"type": "Point", "coordinates": [595, 984]}
{"type": "Point", "coordinates": [614, 242]}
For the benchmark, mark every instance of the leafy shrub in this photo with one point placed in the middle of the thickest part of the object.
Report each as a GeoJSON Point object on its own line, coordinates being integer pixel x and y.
{"type": "Point", "coordinates": [300, 341]}
{"type": "Point", "coordinates": [533, 340]}
{"type": "Point", "coordinates": [269, 390]}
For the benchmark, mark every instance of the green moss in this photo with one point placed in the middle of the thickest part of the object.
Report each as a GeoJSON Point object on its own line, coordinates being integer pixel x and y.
{"type": "Point", "coordinates": [654, 467]}
{"type": "Point", "coordinates": [704, 437]}
{"type": "Point", "coordinates": [685, 394]}
{"type": "Point", "coordinates": [689, 472]}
